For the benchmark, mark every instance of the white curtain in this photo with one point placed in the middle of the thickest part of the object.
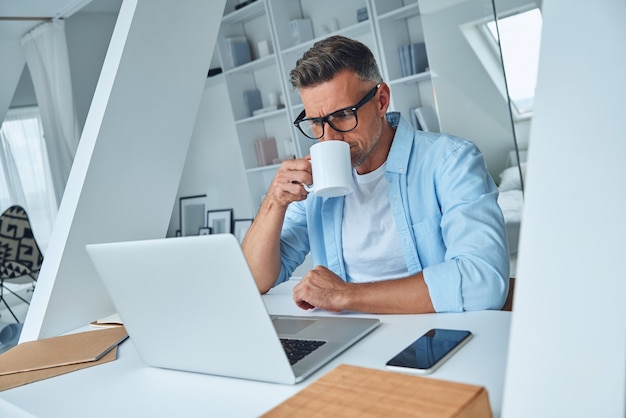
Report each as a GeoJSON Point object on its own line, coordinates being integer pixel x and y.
{"type": "Point", "coordinates": [46, 54]}
{"type": "Point", "coordinates": [24, 171]}
{"type": "Point", "coordinates": [11, 190]}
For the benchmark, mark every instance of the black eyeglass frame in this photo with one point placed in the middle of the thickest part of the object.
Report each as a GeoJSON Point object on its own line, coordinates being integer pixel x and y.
{"type": "Point", "coordinates": [301, 117]}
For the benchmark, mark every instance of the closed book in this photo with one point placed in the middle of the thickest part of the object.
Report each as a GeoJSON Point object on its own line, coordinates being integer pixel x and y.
{"type": "Point", "coordinates": [361, 14]}
{"type": "Point", "coordinates": [404, 53]}
{"type": "Point", "coordinates": [427, 118]}
{"type": "Point", "coordinates": [414, 120]}
{"type": "Point", "coordinates": [419, 59]}
{"type": "Point", "coordinates": [266, 151]}
{"type": "Point", "coordinates": [252, 100]}
{"type": "Point", "coordinates": [238, 51]}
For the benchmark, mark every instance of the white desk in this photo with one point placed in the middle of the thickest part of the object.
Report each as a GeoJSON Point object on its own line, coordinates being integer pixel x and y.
{"type": "Point", "coordinates": [128, 388]}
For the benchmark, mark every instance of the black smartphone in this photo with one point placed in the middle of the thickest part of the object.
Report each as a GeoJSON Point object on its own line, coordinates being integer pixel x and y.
{"type": "Point", "coordinates": [429, 351]}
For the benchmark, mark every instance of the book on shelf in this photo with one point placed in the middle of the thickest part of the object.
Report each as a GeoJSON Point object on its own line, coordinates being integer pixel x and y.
{"type": "Point", "coordinates": [414, 121]}
{"type": "Point", "coordinates": [266, 151]}
{"type": "Point", "coordinates": [413, 58]}
{"type": "Point", "coordinates": [404, 52]}
{"type": "Point", "coordinates": [237, 51]}
{"type": "Point", "coordinates": [419, 59]}
{"type": "Point", "coordinates": [253, 101]}
{"type": "Point", "coordinates": [425, 119]}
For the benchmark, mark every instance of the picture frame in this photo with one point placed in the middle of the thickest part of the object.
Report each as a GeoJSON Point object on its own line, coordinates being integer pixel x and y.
{"type": "Point", "coordinates": [240, 228]}
{"type": "Point", "coordinates": [205, 230]}
{"type": "Point", "coordinates": [220, 221]}
{"type": "Point", "coordinates": [191, 214]}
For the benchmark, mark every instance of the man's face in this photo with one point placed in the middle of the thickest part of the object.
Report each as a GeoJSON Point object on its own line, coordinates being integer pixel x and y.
{"type": "Point", "coordinates": [346, 90]}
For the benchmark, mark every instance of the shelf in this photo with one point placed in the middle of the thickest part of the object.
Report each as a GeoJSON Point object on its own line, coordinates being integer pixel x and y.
{"type": "Point", "coordinates": [263, 168]}
{"type": "Point", "coordinates": [266, 115]}
{"type": "Point", "coordinates": [214, 80]}
{"type": "Point", "coordinates": [253, 65]}
{"type": "Point", "coordinates": [269, 20]}
{"type": "Point", "coordinates": [401, 13]}
{"type": "Point", "coordinates": [249, 12]}
{"type": "Point", "coordinates": [353, 31]}
{"type": "Point", "coordinates": [411, 79]}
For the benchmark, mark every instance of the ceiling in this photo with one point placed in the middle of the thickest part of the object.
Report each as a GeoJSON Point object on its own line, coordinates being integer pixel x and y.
{"type": "Point", "coordinates": [17, 17]}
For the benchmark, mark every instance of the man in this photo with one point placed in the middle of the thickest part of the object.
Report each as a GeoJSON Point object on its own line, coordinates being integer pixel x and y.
{"type": "Point", "coordinates": [422, 231]}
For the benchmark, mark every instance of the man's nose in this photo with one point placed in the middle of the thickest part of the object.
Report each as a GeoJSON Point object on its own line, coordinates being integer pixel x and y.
{"type": "Point", "coordinates": [330, 134]}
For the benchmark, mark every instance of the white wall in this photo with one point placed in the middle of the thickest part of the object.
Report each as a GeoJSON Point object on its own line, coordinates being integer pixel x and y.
{"type": "Point", "coordinates": [214, 149]}
{"type": "Point", "coordinates": [470, 104]}
{"type": "Point", "coordinates": [567, 355]}
{"type": "Point", "coordinates": [12, 65]}
{"type": "Point", "coordinates": [24, 94]}
{"type": "Point", "coordinates": [131, 155]}
{"type": "Point", "coordinates": [87, 36]}
{"type": "Point", "coordinates": [214, 165]}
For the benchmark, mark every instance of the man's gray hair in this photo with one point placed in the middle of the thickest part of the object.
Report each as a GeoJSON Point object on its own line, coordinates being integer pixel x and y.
{"type": "Point", "coordinates": [330, 56]}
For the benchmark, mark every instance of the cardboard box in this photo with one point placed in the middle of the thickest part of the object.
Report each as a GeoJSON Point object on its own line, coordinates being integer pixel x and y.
{"type": "Point", "coordinates": [350, 391]}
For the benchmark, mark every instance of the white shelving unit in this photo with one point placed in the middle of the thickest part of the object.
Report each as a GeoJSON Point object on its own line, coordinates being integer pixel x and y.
{"type": "Point", "coordinates": [390, 23]}
{"type": "Point", "coordinates": [397, 23]}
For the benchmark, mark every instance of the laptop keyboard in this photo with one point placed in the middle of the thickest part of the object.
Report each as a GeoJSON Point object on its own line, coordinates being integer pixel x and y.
{"type": "Point", "coordinates": [296, 350]}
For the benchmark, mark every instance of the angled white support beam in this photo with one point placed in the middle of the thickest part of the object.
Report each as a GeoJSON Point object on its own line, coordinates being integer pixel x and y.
{"type": "Point", "coordinates": [567, 353]}
{"type": "Point", "coordinates": [131, 154]}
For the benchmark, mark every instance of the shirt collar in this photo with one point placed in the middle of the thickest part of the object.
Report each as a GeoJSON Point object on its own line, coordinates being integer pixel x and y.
{"type": "Point", "coordinates": [400, 151]}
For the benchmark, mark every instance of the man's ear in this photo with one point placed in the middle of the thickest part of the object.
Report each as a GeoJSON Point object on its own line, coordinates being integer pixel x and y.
{"type": "Point", "coordinates": [384, 98]}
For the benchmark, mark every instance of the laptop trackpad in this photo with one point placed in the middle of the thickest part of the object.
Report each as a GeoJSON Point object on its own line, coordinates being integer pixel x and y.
{"type": "Point", "coordinates": [291, 325]}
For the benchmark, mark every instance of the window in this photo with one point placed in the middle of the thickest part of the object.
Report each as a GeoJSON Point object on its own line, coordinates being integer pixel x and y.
{"type": "Point", "coordinates": [25, 177]}
{"type": "Point", "coordinates": [519, 37]}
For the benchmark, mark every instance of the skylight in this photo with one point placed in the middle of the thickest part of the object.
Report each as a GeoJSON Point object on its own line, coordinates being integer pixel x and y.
{"type": "Point", "coordinates": [520, 36]}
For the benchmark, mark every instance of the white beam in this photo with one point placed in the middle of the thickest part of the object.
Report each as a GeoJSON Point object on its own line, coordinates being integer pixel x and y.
{"type": "Point", "coordinates": [131, 154]}
{"type": "Point", "coordinates": [567, 355]}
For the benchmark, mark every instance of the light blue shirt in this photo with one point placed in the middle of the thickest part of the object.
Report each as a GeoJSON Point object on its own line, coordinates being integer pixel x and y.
{"type": "Point", "coordinates": [445, 206]}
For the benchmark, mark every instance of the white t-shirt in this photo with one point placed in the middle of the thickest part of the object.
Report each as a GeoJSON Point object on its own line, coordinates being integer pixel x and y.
{"type": "Point", "coordinates": [371, 243]}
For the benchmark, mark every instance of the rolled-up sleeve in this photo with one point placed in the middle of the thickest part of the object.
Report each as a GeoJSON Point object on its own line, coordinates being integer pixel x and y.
{"type": "Point", "coordinates": [475, 268]}
{"type": "Point", "coordinates": [294, 245]}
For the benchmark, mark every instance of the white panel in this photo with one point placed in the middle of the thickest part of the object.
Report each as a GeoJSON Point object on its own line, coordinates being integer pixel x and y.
{"type": "Point", "coordinates": [131, 155]}
{"type": "Point", "coordinates": [568, 338]}
{"type": "Point", "coordinates": [214, 165]}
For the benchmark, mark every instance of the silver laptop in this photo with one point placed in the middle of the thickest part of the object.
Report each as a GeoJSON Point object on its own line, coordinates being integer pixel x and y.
{"type": "Point", "coordinates": [190, 303]}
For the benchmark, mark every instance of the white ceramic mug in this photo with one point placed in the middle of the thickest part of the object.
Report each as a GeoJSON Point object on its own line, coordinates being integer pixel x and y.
{"type": "Point", "coordinates": [332, 169]}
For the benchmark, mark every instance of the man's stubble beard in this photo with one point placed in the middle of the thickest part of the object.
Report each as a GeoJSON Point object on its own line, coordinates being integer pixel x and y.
{"type": "Point", "coordinates": [360, 158]}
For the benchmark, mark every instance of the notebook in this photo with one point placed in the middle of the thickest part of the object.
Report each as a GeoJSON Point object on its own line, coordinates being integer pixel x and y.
{"type": "Point", "coordinates": [191, 303]}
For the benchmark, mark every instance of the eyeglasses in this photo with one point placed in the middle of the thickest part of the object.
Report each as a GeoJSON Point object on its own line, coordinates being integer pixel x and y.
{"type": "Point", "coordinates": [342, 120]}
